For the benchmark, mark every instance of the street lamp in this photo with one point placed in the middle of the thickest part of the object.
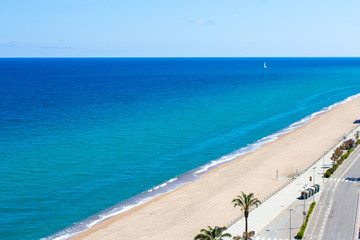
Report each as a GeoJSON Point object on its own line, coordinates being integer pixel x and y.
{"type": "Point", "coordinates": [323, 167]}
{"type": "Point", "coordinates": [290, 222]}
{"type": "Point", "coordinates": [314, 175]}
{"type": "Point", "coordinates": [314, 184]}
{"type": "Point", "coordinates": [304, 212]}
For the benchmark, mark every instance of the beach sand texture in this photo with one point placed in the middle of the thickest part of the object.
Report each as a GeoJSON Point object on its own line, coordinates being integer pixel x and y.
{"type": "Point", "coordinates": [207, 202]}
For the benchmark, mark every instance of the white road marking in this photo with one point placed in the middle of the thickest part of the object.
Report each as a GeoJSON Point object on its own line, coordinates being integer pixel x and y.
{"type": "Point", "coordinates": [357, 221]}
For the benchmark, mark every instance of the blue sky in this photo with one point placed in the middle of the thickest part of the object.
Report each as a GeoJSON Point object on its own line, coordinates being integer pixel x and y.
{"type": "Point", "coordinates": [174, 28]}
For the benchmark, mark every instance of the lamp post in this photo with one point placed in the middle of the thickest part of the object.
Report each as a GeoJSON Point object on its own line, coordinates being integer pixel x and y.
{"type": "Point", "coordinates": [314, 184]}
{"type": "Point", "coordinates": [290, 222]}
{"type": "Point", "coordinates": [314, 175]}
{"type": "Point", "coordinates": [304, 212]}
{"type": "Point", "coordinates": [323, 177]}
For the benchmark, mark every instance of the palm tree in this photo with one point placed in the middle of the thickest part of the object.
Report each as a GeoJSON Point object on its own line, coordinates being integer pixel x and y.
{"type": "Point", "coordinates": [212, 234]}
{"type": "Point", "coordinates": [244, 236]}
{"type": "Point", "coordinates": [245, 202]}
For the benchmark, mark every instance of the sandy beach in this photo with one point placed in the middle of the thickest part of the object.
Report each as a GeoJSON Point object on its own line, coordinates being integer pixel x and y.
{"type": "Point", "coordinates": [207, 202]}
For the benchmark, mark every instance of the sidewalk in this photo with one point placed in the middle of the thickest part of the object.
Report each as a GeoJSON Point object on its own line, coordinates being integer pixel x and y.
{"type": "Point", "coordinates": [260, 217]}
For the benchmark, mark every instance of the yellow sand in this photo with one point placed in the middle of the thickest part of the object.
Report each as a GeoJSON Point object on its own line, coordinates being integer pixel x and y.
{"type": "Point", "coordinates": [207, 202]}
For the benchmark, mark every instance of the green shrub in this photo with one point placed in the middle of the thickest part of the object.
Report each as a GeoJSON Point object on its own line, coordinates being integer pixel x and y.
{"type": "Point", "coordinates": [335, 167]}
{"type": "Point", "coordinates": [345, 156]}
{"type": "Point", "coordinates": [300, 234]}
{"type": "Point", "coordinates": [312, 205]}
{"type": "Point", "coordinates": [339, 157]}
{"type": "Point", "coordinates": [328, 173]}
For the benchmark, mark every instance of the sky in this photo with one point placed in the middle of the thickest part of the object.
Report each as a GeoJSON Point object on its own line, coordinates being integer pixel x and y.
{"type": "Point", "coordinates": [174, 28]}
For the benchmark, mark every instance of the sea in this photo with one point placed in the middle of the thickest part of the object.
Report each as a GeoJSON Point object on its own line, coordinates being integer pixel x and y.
{"type": "Point", "coordinates": [83, 139]}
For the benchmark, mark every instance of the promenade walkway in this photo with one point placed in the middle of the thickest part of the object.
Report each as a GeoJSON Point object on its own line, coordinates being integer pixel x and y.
{"type": "Point", "coordinates": [262, 216]}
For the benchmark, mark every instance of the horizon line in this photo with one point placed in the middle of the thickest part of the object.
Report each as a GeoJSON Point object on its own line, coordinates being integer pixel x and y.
{"type": "Point", "coordinates": [188, 57]}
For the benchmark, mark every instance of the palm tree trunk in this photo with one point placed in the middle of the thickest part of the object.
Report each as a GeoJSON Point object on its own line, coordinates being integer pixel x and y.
{"type": "Point", "coordinates": [246, 224]}
{"type": "Point", "coordinates": [246, 228]}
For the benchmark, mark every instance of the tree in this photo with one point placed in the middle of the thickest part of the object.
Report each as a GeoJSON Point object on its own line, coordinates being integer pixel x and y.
{"type": "Point", "coordinates": [349, 144]}
{"type": "Point", "coordinates": [212, 234]}
{"type": "Point", "coordinates": [245, 202]}
{"type": "Point", "coordinates": [244, 236]}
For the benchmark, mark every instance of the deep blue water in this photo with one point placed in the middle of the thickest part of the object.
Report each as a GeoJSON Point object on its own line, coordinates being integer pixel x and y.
{"type": "Point", "coordinates": [81, 135]}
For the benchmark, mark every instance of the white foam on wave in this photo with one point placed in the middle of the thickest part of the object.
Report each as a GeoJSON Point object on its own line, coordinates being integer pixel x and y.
{"type": "Point", "coordinates": [65, 235]}
{"type": "Point", "coordinates": [162, 185]}
{"type": "Point", "coordinates": [90, 222]}
{"type": "Point", "coordinates": [121, 210]}
{"type": "Point", "coordinates": [172, 180]}
{"type": "Point", "coordinates": [85, 225]}
{"type": "Point", "coordinates": [256, 145]}
{"type": "Point", "coordinates": [139, 201]}
{"type": "Point", "coordinates": [156, 191]}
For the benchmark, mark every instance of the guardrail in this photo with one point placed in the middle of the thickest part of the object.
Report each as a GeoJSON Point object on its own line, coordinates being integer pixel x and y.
{"type": "Point", "coordinates": [262, 201]}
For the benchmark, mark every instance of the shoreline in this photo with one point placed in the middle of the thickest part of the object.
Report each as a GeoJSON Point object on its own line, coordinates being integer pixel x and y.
{"type": "Point", "coordinates": [209, 176]}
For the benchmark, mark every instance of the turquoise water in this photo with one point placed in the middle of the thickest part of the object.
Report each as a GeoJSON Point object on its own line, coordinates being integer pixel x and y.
{"type": "Point", "coordinates": [81, 135]}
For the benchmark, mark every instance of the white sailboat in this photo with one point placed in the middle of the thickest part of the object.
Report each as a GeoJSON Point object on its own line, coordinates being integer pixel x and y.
{"type": "Point", "coordinates": [265, 65]}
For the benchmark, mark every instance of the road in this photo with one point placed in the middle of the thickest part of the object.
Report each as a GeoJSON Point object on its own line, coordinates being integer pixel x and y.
{"type": "Point", "coordinates": [271, 220]}
{"type": "Point", "coordinates": [335, 215]}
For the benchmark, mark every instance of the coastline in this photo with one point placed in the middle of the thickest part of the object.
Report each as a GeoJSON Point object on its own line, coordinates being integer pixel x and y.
{"type": "Point", "coordinates": [210, 201]}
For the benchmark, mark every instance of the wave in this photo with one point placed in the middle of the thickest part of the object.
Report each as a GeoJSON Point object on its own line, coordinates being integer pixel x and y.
{"type": "Point", "coordinates": [252, 147]}
{"type": "Point", "coordinates": [187, 177]}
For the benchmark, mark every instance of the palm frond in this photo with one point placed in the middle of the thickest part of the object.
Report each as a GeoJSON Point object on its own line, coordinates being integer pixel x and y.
{"type": "Point", "coordinates": [212, 234]}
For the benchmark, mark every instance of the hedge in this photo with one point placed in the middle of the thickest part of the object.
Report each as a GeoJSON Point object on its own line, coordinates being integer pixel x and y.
{"type": "Point", "coordinates": [300, 234]}
{"type": "Point", "coordinates": [330, 171]}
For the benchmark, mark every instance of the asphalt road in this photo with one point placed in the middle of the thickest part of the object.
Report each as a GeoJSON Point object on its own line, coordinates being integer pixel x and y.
{"type": "Point", "coordinates": [334, 217]}
{"type": "Point", "coordinates": [335, 214]}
